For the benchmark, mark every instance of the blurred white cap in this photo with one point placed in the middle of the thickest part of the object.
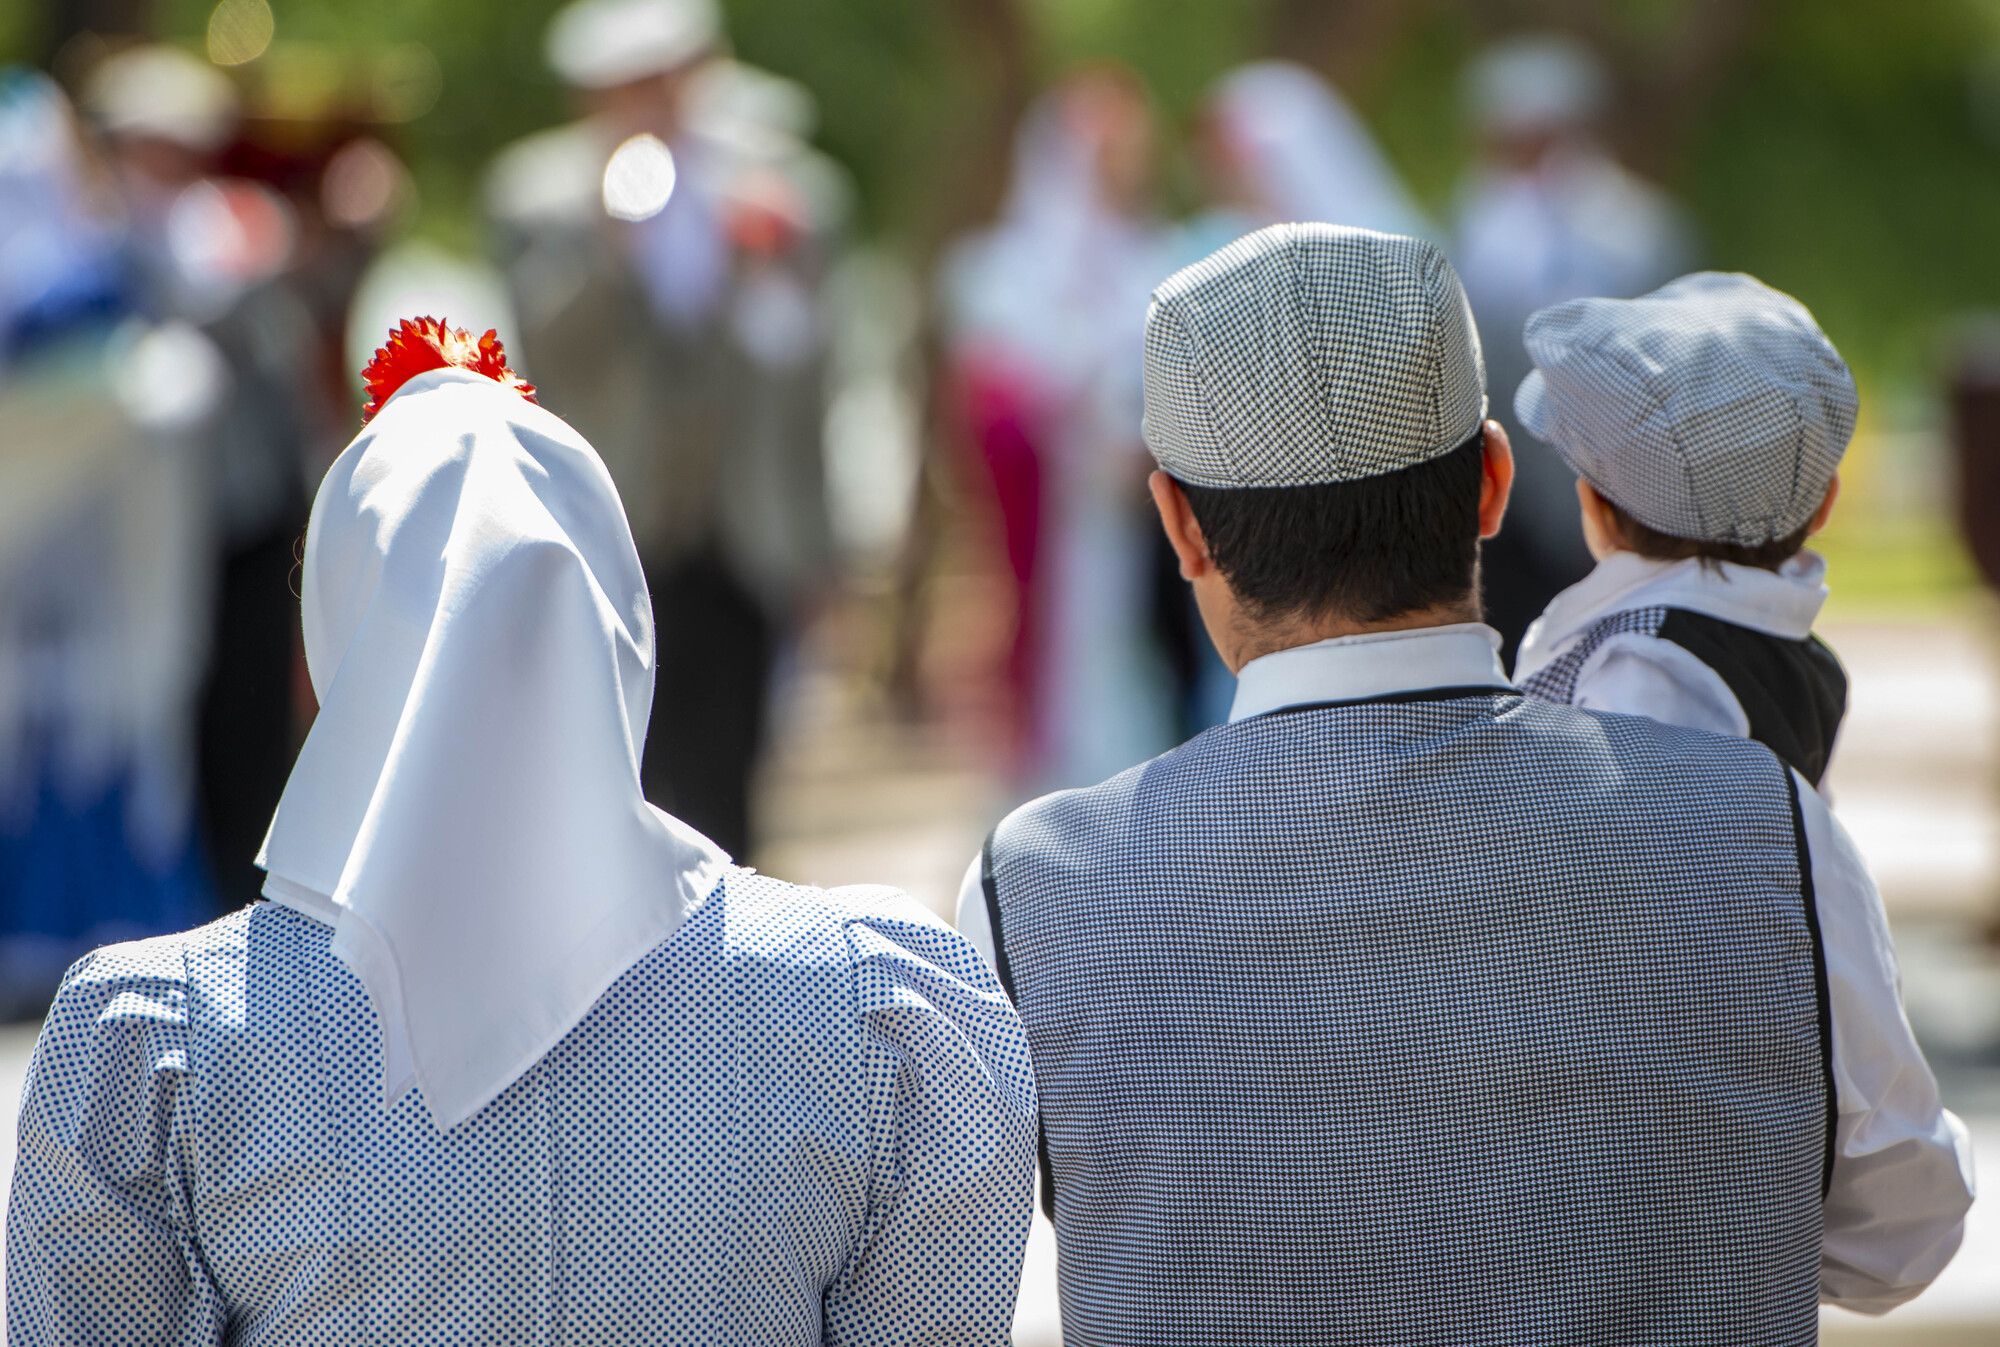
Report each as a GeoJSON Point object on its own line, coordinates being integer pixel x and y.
{"type": "Point", "coordinates": [163, 93]}
{"type": "Point", "coordinates": [1538, 83]}
{"type": "Point", "coordinates": [599, 44]}
{"type": "Point", "coordinates": [730, 98]}
{"type": "Point", "coordinates": [169, 379]}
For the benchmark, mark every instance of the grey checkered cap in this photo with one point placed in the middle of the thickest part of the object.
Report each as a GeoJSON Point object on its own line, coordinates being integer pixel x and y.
{"type": "Point", "coordinates": [1713, 408]}
{"type": "Point", "coordinates": [1310, 353]}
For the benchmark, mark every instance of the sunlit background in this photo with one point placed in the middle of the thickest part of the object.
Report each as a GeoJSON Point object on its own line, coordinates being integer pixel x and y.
{"type": "Point", "coordinates": [849, 295]}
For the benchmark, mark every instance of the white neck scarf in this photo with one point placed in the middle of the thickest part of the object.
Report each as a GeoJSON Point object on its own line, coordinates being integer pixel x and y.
{"type": "Point", "coordinates": [466, 812]}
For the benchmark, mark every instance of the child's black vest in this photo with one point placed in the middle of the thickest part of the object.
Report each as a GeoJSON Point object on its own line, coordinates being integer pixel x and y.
{"type": "Point", "coordinates": [1455, 1017]}
{"type": "Point", "coordinates": [1793, 693]}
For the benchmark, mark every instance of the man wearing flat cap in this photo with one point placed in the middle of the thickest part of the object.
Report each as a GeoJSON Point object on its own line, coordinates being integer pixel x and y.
{"type": "Point", "coordinates": [1400, 1009]}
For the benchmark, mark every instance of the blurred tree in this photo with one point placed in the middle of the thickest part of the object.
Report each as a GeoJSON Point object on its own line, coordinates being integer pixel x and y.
{"type": "Point", "coordinates": [62, 21]}
{"type": "Point", "coordinates": [1348, 41]}
{"type": "Point", "coordinates": [919, 101]}
{"type": "Point", "coordinates": [1843, 148]}
{"type": "Point", "coordinates": [1843, 158]}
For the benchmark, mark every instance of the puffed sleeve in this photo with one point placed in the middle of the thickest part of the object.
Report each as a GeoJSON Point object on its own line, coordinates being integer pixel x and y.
{"type": "Point", "coordinates": [952, 1185]}
{"type": "Point", "coordinates": [99, 1241]}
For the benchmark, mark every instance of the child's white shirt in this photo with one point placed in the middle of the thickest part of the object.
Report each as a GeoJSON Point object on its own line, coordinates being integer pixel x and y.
{"type": "Point", "coordinates": [1636, 674]}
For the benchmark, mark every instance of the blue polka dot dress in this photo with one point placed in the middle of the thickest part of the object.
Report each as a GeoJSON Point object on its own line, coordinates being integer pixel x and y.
{"type": "Point", "coordinates": [808, 1117]}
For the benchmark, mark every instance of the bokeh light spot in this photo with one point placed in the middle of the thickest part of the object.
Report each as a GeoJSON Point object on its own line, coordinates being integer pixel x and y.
{"type": "Point", "coordinates": [638, 179]}
{"type": "Point", "coordinates": [240, 31]}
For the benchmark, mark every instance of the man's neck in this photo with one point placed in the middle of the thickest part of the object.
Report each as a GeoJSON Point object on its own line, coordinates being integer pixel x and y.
{"type": "Point", "coordinates": [1255, 640]}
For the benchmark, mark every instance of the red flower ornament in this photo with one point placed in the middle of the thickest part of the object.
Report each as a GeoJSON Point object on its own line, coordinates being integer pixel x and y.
{"type": "Point", "coordinates": [419, 344]}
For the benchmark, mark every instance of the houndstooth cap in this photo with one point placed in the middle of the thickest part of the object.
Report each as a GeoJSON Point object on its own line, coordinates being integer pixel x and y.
{"type": "Point", "coordinates": [1713, 408]}
{"type": "Point", "coordinates": [1310, 353]}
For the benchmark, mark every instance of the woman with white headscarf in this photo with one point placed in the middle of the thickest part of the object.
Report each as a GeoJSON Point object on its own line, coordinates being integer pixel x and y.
{"type": "Point", "coordinates": [512, 1056]}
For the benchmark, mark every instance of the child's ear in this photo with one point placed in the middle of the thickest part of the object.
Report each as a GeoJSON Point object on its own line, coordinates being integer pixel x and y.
{"type": "Point", "coordinates": [1601, 533]}
{"type": "Point", "coordinates": [1825, 510]}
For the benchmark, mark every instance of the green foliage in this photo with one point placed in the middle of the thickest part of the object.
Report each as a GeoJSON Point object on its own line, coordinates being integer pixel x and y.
{"type": "Point", "coordinates": [1849, 162]}
{"type": "Point", "coordinates": [1847, 149]}
{"type": "Point", "coordinates": [1177, 46]}
{"type": "Point", "coordinates": [896, 88]}
{"type": "Point", "coordinates": [20, 34]}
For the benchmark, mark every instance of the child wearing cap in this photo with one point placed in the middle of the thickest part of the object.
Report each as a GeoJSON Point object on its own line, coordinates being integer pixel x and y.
{"type": "Point", "coordinates": [1706, 423]}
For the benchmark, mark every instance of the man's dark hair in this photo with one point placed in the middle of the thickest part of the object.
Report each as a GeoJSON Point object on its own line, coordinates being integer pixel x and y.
{"type": "Point", "coordinates": [1367, 550]}
{"type": "Point", "coordinates": [1650, 542]}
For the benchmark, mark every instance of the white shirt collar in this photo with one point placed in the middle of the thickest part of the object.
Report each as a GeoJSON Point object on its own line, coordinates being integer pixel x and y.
{"type": "Point", "coordinates": [1782, 603]}
{"type": "Point", "coordinates": [1377, 664]}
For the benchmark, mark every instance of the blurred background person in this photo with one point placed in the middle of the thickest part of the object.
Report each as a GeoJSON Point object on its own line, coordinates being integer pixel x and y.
{"type": "Point", "coordinates": [58, 247]}
{"type": "Point", "coordinates": [219, 252]}
{"type": "Point", "coordinates": [665, 255]}
{"type": "Point", "coordinates": [103, 570]}
{"type": "Point", "coordinates": [1546, 214]}
{"type": "Point", "coordinates": [1972, 394]}
{"type": "Point", "coordinates": [1277, 144]}
{"type": "Point", "coordinates": [1045, 362]}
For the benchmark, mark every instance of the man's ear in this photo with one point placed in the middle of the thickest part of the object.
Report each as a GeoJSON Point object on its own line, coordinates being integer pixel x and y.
{"type": "Point", "coordinates": [1496, 482]}
{"type": "Point", "coordinates": [1178, 521]}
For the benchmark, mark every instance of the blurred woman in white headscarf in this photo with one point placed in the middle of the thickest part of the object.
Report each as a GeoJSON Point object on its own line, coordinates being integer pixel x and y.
{"type": "Point", "coordinates": [1277, 145]}
{"type": "Point", "coordinates": [1044, 313]}
{"type": "Point", "coordinates": [511, 1055]}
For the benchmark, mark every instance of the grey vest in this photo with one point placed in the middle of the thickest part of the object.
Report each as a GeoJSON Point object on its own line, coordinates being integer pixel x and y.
{"type": "Point", "coordinates": [1446, 1018]}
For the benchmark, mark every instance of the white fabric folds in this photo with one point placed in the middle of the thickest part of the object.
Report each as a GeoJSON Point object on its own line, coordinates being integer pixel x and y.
{"type": "Point", "coordinates": [467, 811]}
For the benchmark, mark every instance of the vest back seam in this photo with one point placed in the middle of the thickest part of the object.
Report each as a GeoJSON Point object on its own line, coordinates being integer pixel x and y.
{"type": "Point", "coordinates": [989, 883]}
{"type": "Point", "coordinates": [1822, 998]}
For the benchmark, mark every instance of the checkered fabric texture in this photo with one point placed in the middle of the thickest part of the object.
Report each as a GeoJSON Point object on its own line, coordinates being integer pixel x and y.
{"type": "Point", "coordinates": [1556, 680]}
{"type": "Point", "coordinates": [1713, 408]}
{"type": "Point", "coordinates": [1464, 1020]}
{"type": "Point", "coordinates": [1310, 353]}
{"type": "Point", "coordinates": [807, 1118]}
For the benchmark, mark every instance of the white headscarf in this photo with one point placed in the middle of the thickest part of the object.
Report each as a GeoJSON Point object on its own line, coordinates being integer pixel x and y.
{"type": "Point", "coordinates": [467, 811]}
{"type": "Point", "coordinates": [1059, 282]}
{"type": "Point", "coordinates": [1306, 154]}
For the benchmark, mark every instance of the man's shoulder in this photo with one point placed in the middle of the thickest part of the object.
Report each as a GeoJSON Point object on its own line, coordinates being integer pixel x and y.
{"type": "Point", "coordinates": [1678, 761]}
{"type": "Point", "coordinates": [1634, 731]}
{"type": "Point", "coordinates": [1112, 793]}
{"type": "Point", "coordinates": [1531, 739]}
